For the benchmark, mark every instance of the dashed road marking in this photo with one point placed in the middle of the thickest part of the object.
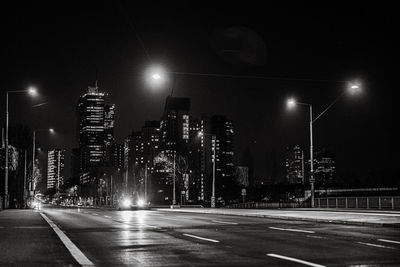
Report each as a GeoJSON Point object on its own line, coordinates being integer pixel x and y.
{"type": "Point", "coordinates": [202, 238]}
{"type": "Point", "coordinates": [374, 245]}
{"type": "Point", "coordinates": [292, 230]}
{"type": "Point", "coordinates": [389, 241]}
{"type": "Point", "coordinates": [109, 217]}
{"type": "Point", "coordinates": [225, 222]}
{"type": "Point", "coordinates": [295, 260]}
{"type": "Point", "coordinates": [72, 248]}
{"type": "Point", "coordinates": [95, 214]}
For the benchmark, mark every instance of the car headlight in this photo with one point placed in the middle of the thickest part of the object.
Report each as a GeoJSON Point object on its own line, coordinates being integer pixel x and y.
{"type": "Point", "coordinates": [140, 203]}
{"type": "Point", "coordinates": [126, 203]}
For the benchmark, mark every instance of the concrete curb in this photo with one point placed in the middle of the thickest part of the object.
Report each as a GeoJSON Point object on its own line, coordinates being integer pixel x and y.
{"type": "Point", "coordinates": [358, 223]}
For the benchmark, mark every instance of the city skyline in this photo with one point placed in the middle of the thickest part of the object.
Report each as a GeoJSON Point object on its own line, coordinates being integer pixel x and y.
{"type": "Point", "coordinates": [120, 71]}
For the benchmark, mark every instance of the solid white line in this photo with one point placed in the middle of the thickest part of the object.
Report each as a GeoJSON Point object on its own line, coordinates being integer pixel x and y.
{"type": "Point", "coordinates": [292, 230]}
{"type": "Point", "coordinates": [389, 241]}
{"type": "Point", "coordinates": [74, 250]}
{"type": "Point", "coordinates": [225, 222]}
{"type": "Point", "coordinates": [295, 260]}
{"type": "Point", "coordinates": [30, 227]}
{"type": "Point", "coordinates": [374, 245]}
{"type": "Point", "coordinates": [202, 238]}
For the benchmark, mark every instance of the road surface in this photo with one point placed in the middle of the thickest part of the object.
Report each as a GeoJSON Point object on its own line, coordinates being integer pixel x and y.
{"type": "Point", "coordinates": [161, 238]}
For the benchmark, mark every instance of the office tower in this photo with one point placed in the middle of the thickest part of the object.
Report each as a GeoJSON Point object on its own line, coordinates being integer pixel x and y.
{"type": "Point", "coordinates": [294, 165]}
{"type": "Point", "coordinates": [55, 169]}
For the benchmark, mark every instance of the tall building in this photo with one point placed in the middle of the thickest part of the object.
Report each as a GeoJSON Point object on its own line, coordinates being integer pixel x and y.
{"type": "Point", "coordinates": [133, 160]}
{"type": "Point", "coordinates": [109, 120]}
{"type": "Point", "coordinates": [222, 128]}
{"type": "Point", "coordinates": [294, 165]}
{"type": "Point", "coordinates": [324, 167]}
{"type": "Point", "coordinates": [55, 168]}
{"type": "Point", "coordinates": [91, 113]}
{"type": "Point", "coordinates": [117, 156]}
{"type": "Point", "coordinates": [96, 129]}
{"type": "Point", "coordinates": [151, 143]}
{"type": "Point", "coordinates": [175, 125]}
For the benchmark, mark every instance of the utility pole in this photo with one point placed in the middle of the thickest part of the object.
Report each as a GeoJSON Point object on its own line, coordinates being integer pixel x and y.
{"type": "Point", "coordinates": [145, 182]}
{"type": "Point", "coordinates": [173, 184]}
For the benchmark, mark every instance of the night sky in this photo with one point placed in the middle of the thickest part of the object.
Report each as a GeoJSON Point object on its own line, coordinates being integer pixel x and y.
{"type": "Point", "coordinates": [61, 46]}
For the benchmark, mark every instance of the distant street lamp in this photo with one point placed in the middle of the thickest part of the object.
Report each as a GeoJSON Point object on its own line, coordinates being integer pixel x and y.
{"type": "Point", "coordinates": [352, 88]}
{"type": "Point", "coordinates": [214, 145]}
{"type": "Point", "coordinates": [33, 92]}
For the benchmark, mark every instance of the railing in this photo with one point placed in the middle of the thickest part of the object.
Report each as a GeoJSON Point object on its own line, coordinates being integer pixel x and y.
{"type": "Point", "coordinates": [387, 202]}
{"type": "Point", "coordinates": [266, 205]}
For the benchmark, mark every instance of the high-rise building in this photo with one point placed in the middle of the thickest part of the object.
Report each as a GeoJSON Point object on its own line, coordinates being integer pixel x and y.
{"type": "Point", "coordinates": [222, 128]}
{"type": "Point", "coordinates": [175, 126]}
{"type": "Point", "coordinates": [96, 129]}
{"type": "Point", "coordinates": [324, 167]}
{"type": "Point", "coordinates": [55, 168]}
{"type": "Point", "coordinates": [117, 156]}
{"type": "Point", "coordinates": [294, 165]}
{"type": "Point", "coordinates": [133, 160]}
{"type": "Point", "coordinates": [91, 127]}
{"type": "Point", "coordinates": [151, 143]}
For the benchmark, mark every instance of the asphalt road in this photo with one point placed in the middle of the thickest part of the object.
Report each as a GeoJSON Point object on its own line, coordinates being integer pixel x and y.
{"type": "Point", "coordinates": [157, 238]}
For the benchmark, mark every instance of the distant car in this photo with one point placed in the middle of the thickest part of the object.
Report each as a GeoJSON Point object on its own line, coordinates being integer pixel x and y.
{"type": "Point", "coordinates": [127, 204]}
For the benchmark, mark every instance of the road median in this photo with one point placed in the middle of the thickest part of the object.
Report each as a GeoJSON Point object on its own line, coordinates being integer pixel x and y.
{"type": "Point", "coordinates": [381, 219]}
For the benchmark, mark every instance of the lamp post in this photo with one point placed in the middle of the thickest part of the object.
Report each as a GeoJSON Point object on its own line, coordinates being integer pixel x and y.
{"type": "Point", "coordinates": [33, 92]}
{"type": "Point", "coordinates": [353, 88]}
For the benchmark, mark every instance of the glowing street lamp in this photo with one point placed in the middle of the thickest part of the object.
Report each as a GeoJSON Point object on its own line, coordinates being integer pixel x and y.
{"type": "Point", "coordinates": [33, 92]}
{"type": "Point", "coordinates": [352, 88]}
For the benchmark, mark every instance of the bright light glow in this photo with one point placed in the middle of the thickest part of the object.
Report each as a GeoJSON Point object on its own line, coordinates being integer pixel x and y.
{"type": "Point", "coordinates": [200, 134]}
{"type": "Point", "coordinates": [126, 203]}
{"type": "Point", "coordinates": [32, 91]}
{"type": "Point", "coordinates": [140, 203]}
{"type": "Point", "coordinates": [354, 88]}
{"type": "Point", "coordinates": [51, 130]}
{"type": "Point", "coordinates": [156, 76]}
{"type": "Point", "coordinates": [291, 103]}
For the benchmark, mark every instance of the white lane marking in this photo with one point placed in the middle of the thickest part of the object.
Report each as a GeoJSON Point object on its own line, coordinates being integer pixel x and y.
{"type": "Point", "coordinates": [107, 216]}
{"type": "Point", "coordinates": [292, 230]}
{"type": "Point", "coordinates": [225, 222]}
{"type": "Point", "coordinates": [95, 214]}
{"type": "Point", "coordinates": [374, 245]}
{"type": "Point", "coordinates": [30, 227]}
{"type": "Point", "coordinates": [295, 260]}
{"type": "Point", "coordinates": [389, 241]}
{"type": "Point", "coordinates": [74, 250]}
{"type": "Point", "coordinates": [202, 238]}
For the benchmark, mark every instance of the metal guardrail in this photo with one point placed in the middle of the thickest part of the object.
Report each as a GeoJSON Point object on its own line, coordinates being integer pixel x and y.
{"type": "Point", "coordinates": [266, 205]}
{"type": "Point", "coordinates": [386, 202]}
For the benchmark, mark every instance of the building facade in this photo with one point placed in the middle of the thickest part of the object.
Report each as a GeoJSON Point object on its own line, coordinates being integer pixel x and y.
{"type": "Point", "coordinates": [55, 169]}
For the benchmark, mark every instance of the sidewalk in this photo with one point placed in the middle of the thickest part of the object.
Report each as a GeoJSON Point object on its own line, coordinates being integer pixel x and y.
{"type": "Point", "coordinates": [27, 240]}
{"type": "Point", "coordinates": [351, 217]}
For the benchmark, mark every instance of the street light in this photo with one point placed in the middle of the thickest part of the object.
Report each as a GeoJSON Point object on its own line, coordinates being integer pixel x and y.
{"type": "Point", "coordinates": [352, 88]}
{"type": "Point", "coordinates": [213, 140]}
{"type": "Point", "coordinates": [33, 92]}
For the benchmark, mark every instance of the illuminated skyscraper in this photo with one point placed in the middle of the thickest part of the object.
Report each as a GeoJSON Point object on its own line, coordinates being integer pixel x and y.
{"type": "Point", "coordinates": [294, 165]}
{"type": "Point", "coordinates": [55, 168]}
{"type": "Point", "coordinates": [96, 129]}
